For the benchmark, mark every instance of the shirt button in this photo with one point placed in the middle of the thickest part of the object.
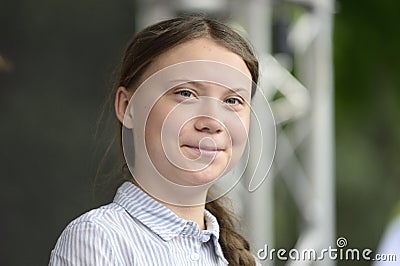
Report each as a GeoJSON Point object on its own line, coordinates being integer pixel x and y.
{"type": "Point", "coordinates": [195, 256]}
{"type": "Point", "coordinates": [205, 238]}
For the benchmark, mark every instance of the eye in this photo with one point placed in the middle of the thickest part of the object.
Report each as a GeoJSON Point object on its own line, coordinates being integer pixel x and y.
{"type": "Point", "coordinates": [233, 101]}
{"type": "Point", "coordinates": [185, 93]}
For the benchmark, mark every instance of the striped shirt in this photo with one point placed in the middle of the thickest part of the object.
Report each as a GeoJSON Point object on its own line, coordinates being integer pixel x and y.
{"type": "Point", "coordinates": [137, 230]}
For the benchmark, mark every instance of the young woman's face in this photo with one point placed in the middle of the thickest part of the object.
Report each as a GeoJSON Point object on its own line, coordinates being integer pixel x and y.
{"type": "Point", "coordinates": [204, 136]}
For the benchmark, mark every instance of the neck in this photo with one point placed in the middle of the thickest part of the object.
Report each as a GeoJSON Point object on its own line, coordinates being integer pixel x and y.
{"type": "Point", "coordinates": [192, 213]}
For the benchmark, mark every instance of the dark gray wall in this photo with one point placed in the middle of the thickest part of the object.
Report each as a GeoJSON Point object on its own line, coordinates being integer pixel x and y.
{"type": "Point", "coordinates": [61, 57]}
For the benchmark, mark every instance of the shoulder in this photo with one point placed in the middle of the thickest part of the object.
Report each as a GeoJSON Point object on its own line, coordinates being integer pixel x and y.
{"type": "Point", "coordinates": [102, 217]}
{"type": "Point", "coordinates": [90, 239]}
{"type": "Point", "coordinates": [104, 221]}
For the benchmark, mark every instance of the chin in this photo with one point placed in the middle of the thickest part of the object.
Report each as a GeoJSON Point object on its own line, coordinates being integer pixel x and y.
{"type": "Point", "coordinates": [204, 177]}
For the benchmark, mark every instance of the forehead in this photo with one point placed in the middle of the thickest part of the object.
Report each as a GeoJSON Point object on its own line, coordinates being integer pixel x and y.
{"type": "Point", "coordinates": [197, 49]}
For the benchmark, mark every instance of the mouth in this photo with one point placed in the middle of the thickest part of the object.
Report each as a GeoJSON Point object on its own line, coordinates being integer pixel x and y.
{"type": "Point", "coordinates": [204, 151]}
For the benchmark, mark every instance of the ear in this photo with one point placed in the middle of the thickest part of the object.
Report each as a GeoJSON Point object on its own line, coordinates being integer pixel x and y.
{"type": "Point", "coordinates": [122, 98]}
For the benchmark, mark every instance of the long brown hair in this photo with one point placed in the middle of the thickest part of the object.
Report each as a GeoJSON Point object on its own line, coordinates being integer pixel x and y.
{"type": "Point", "coordinates": [154, 40]}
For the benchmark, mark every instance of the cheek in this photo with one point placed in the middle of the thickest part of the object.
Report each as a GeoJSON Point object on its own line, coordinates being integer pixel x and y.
{"type": "Point", "coordinates": [239, 140]}
{"type": "Point", "coordinates": [239, 130]}
{"type": "Point", "coordinates": [154, 125]}
{"type": "Point", "coordinates": [161, 130]}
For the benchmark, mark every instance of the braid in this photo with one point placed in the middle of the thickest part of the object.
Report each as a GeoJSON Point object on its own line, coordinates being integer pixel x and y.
{"type": "Point", "coordinates": [236, 249]}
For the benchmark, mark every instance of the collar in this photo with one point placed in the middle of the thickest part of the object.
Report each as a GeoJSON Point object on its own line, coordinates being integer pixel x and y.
{"type": "Point", "coordinates": [161, 220]}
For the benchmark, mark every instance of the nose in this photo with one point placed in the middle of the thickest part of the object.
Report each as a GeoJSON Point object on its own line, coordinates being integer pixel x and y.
{"type": "Point", "coordinates": [208, 124]}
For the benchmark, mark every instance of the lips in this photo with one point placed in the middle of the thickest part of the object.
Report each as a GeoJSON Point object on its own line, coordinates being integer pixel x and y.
{"type": "Point", "coordinates": [204, 150]}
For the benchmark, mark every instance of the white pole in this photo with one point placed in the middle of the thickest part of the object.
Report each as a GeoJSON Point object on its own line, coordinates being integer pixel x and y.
{"type": "Point", "coordinates": [258, 206]}
{"type": "Point", "coordinates": [322, 149]}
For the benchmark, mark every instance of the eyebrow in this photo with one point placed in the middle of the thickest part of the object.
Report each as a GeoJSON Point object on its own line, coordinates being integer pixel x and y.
{"type": "Point", "coordinates": [202, 86]}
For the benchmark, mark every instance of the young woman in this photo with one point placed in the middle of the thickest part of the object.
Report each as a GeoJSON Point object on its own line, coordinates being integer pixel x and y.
{"type": "Point", "coordinates": [182, 100]}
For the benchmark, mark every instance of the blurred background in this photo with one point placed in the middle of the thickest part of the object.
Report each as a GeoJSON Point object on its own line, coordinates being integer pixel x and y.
{"type": "Point", "coordinates": [57, 64]}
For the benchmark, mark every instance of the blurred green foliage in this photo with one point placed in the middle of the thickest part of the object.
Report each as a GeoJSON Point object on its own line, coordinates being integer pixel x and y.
{"type": "Point", "coordinates": [367, 103]}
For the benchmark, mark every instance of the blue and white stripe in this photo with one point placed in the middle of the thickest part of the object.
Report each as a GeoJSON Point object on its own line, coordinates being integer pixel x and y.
{"type": "Point", "coordinates": [137, 230]}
